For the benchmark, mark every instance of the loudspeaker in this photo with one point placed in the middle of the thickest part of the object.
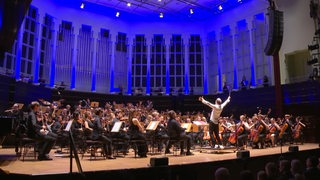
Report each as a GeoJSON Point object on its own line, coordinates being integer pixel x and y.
{"type": "Point", "coordinates": [275, 34]}
{"type": "Point", "coordinates": [159, 161]}
{"type": "Point", "coordinates": [293, 148]}
{"type": "Point", "coordinates": [243, 154]}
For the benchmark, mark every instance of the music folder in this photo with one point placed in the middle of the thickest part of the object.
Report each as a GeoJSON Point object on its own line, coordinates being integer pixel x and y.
{"type": "Point", "coordinates": [187, 126]}
{"type": "Point", "coordinates": [153, 125]}
{"type": "Point", "coordinates": [94, 104]}
{"type": "Point", "coordinates": [116, 127]}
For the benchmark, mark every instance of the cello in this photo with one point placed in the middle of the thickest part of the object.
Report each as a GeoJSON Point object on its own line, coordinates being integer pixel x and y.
{"type": "Point", "coordinates": [233, 137]}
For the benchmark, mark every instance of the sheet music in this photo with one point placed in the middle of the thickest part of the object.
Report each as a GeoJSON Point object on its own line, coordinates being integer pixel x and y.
{"type": "Point", "coordinates": [116, 127]}
{"type": "Point", "coordinates": [153, 125]}
{"type": "Point", "coordinates": [68, 126]}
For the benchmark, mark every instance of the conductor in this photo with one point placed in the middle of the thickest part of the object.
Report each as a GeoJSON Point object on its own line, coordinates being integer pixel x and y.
{"type": "Point", "coordinates": [214, 119]}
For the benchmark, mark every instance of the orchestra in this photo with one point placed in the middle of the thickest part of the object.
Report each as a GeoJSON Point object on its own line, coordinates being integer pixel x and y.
{"type": "Point", "coordinates": [144, 123]}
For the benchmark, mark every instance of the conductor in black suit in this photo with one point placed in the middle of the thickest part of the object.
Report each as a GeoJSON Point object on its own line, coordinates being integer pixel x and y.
{"type": "Point", "coordinates": [38, 131]}
{"type": "Point", "coordinates": [175, 131]}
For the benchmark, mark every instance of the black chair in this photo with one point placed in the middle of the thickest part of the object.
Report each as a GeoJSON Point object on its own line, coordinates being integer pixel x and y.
{"type": "Point", "coordinates": [27, 146]}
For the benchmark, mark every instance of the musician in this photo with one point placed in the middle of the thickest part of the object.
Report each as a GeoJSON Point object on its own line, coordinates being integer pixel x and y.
{"type": "Point", "coordinates": [98, 134]}
{"type": "Point", "coordinates": [122, 134]}
{"type": "Point", "coordinates": [227, 130]}
{"type": "Point", "coordinates": [286, 129]}
{"type": "Point", "coordinates": [35, 129]}
{"type": "Point", "coordinates": [161, 133]}
{"type": "Point", "coordinates": [18, 124]}
{"type": "Point", "coordinates": [136, 132]}
{"type": "Point", "coordinates": [260, 131]}
{"type": "Point", "coordinates": [175, 131]}
{"type": "Point", "coordinates": [298, 127]}
{"type": "Point", "coordinates": [274, 130]}
{"type": "Point", "coordinates": [242, 132]}
{"type": "Point", "coordinates": [214, 119]}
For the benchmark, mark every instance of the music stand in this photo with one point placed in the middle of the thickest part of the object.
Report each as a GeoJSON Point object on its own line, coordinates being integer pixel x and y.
{"type": "Point", "coordinates": [20, 105]}
{"type": "Point", "coordinates": [73, 150]}
{"type": "Point", "coordinates": [116, 127]}
{"type": "Point", "coordinates": [152, 125]}
{"type": "Point", "coordinates": [186, 126]}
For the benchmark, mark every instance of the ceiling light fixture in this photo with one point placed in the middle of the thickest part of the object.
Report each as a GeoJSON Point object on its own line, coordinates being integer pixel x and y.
{"type": "Point", "coordinates": [117, 14]}
{"type": "Point", "coordinates": [128, 4]}
{"type": "Point", "coordinates": [161, 15]}
{"type": "Point", "coordinates": [239, 1]}
{"type": "Point", "coordinates": [220, 7]}
{"type": "Point", "coordinates": [159, 0]}
{"type": "Point", "coordinates": [191, 11]}
{"type": "Point", "coordinates": [82, 5]}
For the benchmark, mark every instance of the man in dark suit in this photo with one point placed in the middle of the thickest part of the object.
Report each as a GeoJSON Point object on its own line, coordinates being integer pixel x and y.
{"type": "Point", "coordinates": [175, 131]}
{"type": "Point", "coordinates": [38, 131]}
{"type": "Point", "coordinates": [98, 134]}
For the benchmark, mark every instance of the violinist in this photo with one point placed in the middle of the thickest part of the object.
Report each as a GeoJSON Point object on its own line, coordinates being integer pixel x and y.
{"type": "Point", "coordinates": [98, 133]}
{"type": "Point", "coordinates": [136, 131]}
{"type": "Point", "coordinates": [46, 142]}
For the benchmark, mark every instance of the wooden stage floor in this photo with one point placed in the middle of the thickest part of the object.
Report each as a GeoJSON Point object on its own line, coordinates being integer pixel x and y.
{"type": "Point", "coordinates": [61, 164]}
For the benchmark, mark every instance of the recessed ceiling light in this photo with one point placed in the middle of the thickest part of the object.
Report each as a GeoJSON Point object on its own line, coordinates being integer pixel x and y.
{"type": "Point", "coordinates": [82, 5]}
{"type": "Point", "coordinates": [191, 11]}
{"type": "Point", "coordinates": [117, 14]}
{"type": "Point", "coordinates": [161, 15]}
{"type": "Point", "coordinates": [220, 7]}
{"type": "Point", "coordinates": [128, 4]}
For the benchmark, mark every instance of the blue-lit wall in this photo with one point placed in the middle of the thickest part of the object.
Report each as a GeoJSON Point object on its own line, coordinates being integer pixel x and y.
{"type": "Point", "coordinates": [235, 50]}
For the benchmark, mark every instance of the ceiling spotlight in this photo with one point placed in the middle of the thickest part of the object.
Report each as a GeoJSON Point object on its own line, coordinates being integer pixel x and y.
{"type": "Point", "coordinates": [161, 15]}
{"type": "Point", "coordinates": [128, 4]}
{"type": "Point", "coordinates": [191, 11]}
{"type": "Point", "coordinates": [239, 1]}
{"type": "Point", "coordinates": [117, 14]}
{"type": "Point", "coordinates": [159, 0]}
{"type": "Point", "coordinates": [220, 7]}
{"type": "Point", "coordinates": [82, 5]}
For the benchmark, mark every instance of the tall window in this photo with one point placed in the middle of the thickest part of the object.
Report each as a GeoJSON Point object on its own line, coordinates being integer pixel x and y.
{"type": "Point", "coordinates": [29, 42]}
{"type": "Point", "coordinates": [45, 48]}
{"type": "Point", "coordinates": [195, 62]}
{"type": "Point", "coordinates": [158, 63]}
{"type": "Point", "coordinates": [176, 62]}
{"type": "Point", "coordinates": [120, 63]}
{"type": "Point", "coordinates": [139, 62]}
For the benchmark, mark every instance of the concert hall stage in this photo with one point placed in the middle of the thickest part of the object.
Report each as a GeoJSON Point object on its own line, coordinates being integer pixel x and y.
{"type": "Point", "coordinates": [199, 166]}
